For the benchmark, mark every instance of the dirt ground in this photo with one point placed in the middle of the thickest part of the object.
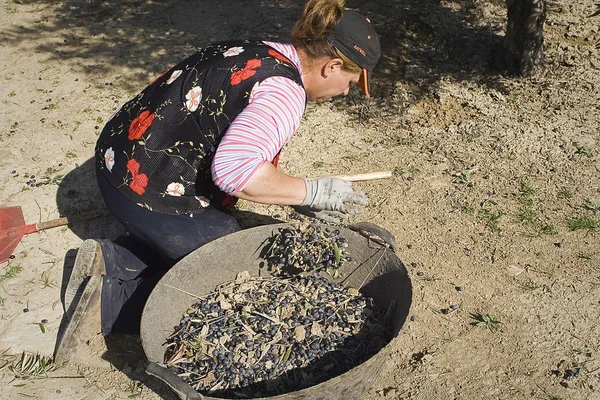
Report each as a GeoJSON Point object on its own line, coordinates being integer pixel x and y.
{"type": "Point", "coordinates": [494, 199]}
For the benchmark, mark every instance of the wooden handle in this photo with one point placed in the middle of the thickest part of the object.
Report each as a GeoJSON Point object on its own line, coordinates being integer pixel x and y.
{"type": "Point", "coordinates": [68, 220]}
{"type": "Point", "coordinates": [365, 177]}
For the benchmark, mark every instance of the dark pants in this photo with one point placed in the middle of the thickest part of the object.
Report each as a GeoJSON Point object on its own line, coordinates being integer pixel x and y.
{"type": "Point", "coordinates": [154, 242]}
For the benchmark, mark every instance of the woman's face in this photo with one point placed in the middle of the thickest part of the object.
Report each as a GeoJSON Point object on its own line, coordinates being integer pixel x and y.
{"type": "Point", "coordinates": [332, 81]}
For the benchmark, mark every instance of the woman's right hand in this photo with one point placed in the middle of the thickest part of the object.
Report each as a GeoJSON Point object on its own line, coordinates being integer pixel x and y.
{"type": "Point", "coordinates": [333, 194]}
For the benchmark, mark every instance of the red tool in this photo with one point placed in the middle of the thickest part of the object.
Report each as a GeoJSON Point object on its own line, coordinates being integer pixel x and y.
{"type": "Point", "coordinates": [13, 227]}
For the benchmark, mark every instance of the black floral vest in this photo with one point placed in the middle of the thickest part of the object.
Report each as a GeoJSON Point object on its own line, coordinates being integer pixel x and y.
{"type": "Point", "coordinates": [158, 148]}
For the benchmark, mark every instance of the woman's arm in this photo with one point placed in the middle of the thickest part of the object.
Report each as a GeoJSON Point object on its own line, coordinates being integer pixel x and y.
{"type": "Point", "coordinates": [269, 185]}
{"type": "Point", "coordinates": [242, 164]}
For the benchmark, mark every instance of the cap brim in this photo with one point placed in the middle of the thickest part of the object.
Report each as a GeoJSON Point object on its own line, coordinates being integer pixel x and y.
{"type": "Point", "coordinates": [363, 82]}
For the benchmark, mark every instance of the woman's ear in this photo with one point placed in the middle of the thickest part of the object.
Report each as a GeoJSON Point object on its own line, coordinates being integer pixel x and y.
{"type": "Point", "coordinates": [331, 66]}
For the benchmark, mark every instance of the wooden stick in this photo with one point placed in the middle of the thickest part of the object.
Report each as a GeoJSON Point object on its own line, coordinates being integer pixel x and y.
{"type": "Point", "coordinates": [365, 177]}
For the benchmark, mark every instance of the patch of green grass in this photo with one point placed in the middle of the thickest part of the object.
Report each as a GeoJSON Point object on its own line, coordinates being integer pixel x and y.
{"type": "Point", "coordinates": [583, 222]}
{"type": "Point", "coordinates": [99, 120]}
{"type": "Point", "coordinates": [468, 208]}
{"type": "Point", "coordinates": [529, 285]}
{"type": "Point", "coordinates": [47, 283]}
{"type": "Point", "coordinates": [14, 125]}
{"type": "Point", "coordinates": [526, 189]}
{"type": "Point", "coordinates": [528, 213]}
{"type": "Point", "coordinates": [492, 219]}
{"type": "Point", "coordinates": [10, 271]}
{"type": "Point", "coordinates": [564, 194]}
{"type": "Point", "coordinates": [586, 256]}
{"type": "Point", "coordinates": [12, 94]}
{"type": "Point", "coordinates": [398, 171]}
{"type": "Point", "coordinates": [70, 154]}
{"type": "Point", "coordinates": [51, 177]}
{"type": "Point", "coordinates": [318, 164]}
{"type": "Point", "coordinates": [472, 137]}
{"type": "Point", "coordinates": [547, 229]}
{"type": "Point", "coordinates": [486, 321]}
{"type": "Point", "coordinates": [585, 150]}
{"type": "Point", "coordinates": [592, 205]}
{"type": "Point", "coordinates": [463, 178]}
{"type": "Point", "coordinates": [413, 171]}
{"type": "Point", "coordinates": [404, 141]}
{"type": "Point", "coordinates": [540, 270]}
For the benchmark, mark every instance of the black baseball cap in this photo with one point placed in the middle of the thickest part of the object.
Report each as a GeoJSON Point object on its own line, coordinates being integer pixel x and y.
{"type": "Point", "coordinates": [356, 38]}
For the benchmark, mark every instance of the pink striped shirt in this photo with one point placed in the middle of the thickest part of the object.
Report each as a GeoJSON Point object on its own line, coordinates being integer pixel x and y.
{"type": "Point", "coordinates": [259, 132]}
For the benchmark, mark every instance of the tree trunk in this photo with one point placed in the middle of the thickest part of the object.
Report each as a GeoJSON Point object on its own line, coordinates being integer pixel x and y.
{"type": "Point", "coordinates": [522, 50]}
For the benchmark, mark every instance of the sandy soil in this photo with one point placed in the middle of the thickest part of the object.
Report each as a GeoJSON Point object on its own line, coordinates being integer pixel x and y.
{"type": "Point", "coordinates": [494, 200]}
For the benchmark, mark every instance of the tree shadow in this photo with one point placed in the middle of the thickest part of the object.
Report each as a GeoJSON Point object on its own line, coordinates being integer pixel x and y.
{"type": "Point", "coordinates": [423, 41]}
{"type": "Point", "coordinates": [78, 195]}
{"type": "Point", "coordinates": [126, 354]}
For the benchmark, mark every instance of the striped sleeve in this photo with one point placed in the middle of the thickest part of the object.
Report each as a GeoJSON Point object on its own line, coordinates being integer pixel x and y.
{"type": "Point", "coordinates": [258, 133]}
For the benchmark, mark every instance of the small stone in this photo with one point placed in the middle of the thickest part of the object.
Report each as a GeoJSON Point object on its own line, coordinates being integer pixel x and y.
{"type": "Point", "coordinates": [564, 384]}
{"type": "Point", "coordinates": [419, 273]}
{"type": "Point", "coordinates": [413, 318]}
{"type": "Point", "coordinates": [12, 257]}
{"type": "Point", "coordinates": [26, 310]}
{"type": "Point", "coordinates": [413, 264]}
{"type": "Point", "coordinates": [454, 307]}
{"type": "Point", "coordinates": [44, 321]}
{"type": "Point", "coordinates": [409, 246]}
{"type": "Point", "coordinates": [569, 374]}
{"type": "Point", "coordinates": [13, 171]}
{"type": "Point", "coordinates": [459, 289]}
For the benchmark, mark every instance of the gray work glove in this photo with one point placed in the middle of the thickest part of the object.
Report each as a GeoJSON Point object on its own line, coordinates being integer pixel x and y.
{"type": "Point", "coordinates": [334, 217]}
{"type": "Point", "coordinates": [329, 198]}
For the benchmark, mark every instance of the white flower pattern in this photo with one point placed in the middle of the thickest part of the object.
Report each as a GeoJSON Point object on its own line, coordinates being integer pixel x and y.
{"type": "Point", "coordinates": [109, 158]}
{"type": "Point", "coordinates": [204, 202]}
{"type": "Point", "coordinates": [193, 98]}
{"type": "Point", "coordinates": [175, 189]}
{"type": "Point", "coordinates": [174, 76]}
{"type": "Point", "coordinates": [234, 51]}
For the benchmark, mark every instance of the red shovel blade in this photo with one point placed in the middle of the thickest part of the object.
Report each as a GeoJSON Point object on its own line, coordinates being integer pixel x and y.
{"type": "Point", "coordinates": [12, 229]}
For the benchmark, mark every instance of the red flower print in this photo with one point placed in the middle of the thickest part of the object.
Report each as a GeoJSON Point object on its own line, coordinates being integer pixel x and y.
{"type": "Point", "coordinates": [139, 125]}
{"type": "Point", "coordinates": [133, 166]}
{"type": "Point", "coordinates": [140, 181]}
{"type": "Point", "coordinates": [253, 64]}
{"type": "Point", "coordinates": [278, 56]}
{"type": "Point", "coordinates": [249, 70]}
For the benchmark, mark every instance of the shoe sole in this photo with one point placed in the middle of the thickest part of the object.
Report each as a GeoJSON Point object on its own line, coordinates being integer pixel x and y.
{"type": "Point", "coordinates": [88, 262]}
{"type": "Point", "coordinates": [75, 335]}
